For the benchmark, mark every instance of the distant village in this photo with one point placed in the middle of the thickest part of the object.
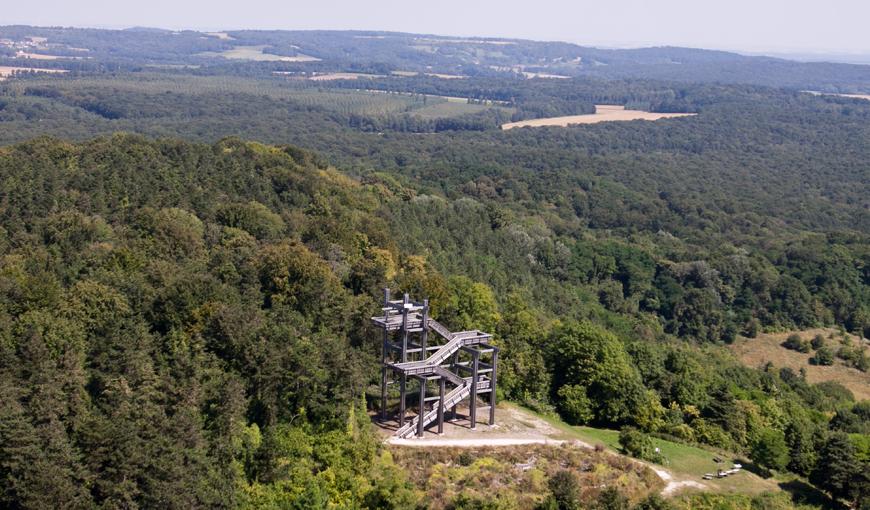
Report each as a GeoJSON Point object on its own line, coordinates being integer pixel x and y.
{"type": "Point", "coordinates": [38, 48]}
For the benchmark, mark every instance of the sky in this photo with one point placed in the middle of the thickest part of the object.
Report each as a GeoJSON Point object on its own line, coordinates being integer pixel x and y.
{"type": "Point", "coordinates": [801, 26]}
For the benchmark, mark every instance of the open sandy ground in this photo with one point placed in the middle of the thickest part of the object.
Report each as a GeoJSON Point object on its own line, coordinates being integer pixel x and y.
{"type": "Point", "coordinates": [603, 113]}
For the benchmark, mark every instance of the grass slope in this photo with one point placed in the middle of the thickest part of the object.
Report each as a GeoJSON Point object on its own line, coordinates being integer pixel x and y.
{"type": "Point", "coordinates": [756, 352]}
{"type": "Point", "coordinates": [684, 461]}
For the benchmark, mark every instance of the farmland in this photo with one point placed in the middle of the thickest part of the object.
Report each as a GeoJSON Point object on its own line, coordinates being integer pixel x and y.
{"type": "Point", "coordinates": [256, 53]}
{"type": "Point", "coordinates": [603, 113]}
{"type": "Point", "coordinates": [6, 71]}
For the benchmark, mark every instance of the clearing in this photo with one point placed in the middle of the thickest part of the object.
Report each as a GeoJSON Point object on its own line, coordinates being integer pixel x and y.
{"type": "Point", "coordinates": [516, 426]}
{"type": "Point", "coordinates": [603, 113]}
{"type": "Point", "coordinates": [256, 53]}
{"type": "Point", "coordinates": [756, 352]}
{"type": "Point", "coordinates": [6, 72]}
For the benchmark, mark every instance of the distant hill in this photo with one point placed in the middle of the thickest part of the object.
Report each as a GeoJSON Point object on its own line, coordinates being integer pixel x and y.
{"type": "Point", "coordinates": [386, 52]}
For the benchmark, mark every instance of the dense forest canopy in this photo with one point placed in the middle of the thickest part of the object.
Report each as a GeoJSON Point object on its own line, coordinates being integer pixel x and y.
{"type": "Point", "coordinates": [178, 302]}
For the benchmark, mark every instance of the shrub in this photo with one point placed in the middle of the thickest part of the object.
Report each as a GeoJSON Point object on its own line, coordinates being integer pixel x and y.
{"type": "Point", "coordinates": [796, 343]}
{"type": "Point", "coordinates": [466, 459]}
{"type": "Point", "coordinates": [639, 445]}
{"type": "Point", "coordinates": [611, 499]}
{"type": "Point", "coordinates": [565, 490]}
{"type": "Point", "coordinates": [823, 356]}
{"type": "Point", "coordinates": [818, 342]}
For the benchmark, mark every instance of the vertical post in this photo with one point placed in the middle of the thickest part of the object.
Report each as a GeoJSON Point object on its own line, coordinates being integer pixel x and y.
{"type": "Point", "coordinates": [492, 379]}
{"type": "Point", "coordinates": [441, 406]}
{"type": "Point", "coordinates": [424, 337]}
{"type": "Point", "coordinates": [402, 381]}
{"type": "Point", "coordinates": [420, 423]}
{"type": "Point", "coordinates": [475, 355]}
{"type": "Point", "coordinates": [405, 329]}
{"type": "Point", "coordinates": [453, 366]}
{"type": "Point", "coordinates": [384, 348]}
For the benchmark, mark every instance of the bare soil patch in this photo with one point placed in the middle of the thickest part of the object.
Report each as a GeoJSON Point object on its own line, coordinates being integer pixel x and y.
{"type": "Point", "coordinates": [603, 113]}
{"type": "Point", "coordinates": [755, 352]}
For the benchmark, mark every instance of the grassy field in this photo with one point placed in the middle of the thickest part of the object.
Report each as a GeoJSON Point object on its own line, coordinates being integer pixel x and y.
{"type": "Point", "coordinates": [603, 113]}
{"type": "Point", "coordinates": [684, 461]}
{"type": "Point", "coordinates": [755, 352]}
{"type": "Point", "coordinates": [441, 109]}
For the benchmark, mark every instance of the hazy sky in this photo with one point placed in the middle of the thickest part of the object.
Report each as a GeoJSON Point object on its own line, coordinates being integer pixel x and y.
{"type": "Point", "coordinates": [748, 25]}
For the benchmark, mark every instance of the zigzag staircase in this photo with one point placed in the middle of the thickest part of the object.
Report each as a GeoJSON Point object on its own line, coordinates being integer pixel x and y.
{"type": "Point", "coordinates": [406, 318]}
{"type": "Point", "coordinates": [453, 398]}
{"type": "Point", "coordinates": [432, 365]}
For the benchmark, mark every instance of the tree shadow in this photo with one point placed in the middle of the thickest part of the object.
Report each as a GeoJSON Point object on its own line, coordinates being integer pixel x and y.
{"type": "Point", "coordinates": [753, 468]}
{"type": "Point", "coordinates": [805, 494]}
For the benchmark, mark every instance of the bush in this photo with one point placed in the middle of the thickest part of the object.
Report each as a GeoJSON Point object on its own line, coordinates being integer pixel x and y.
{"type": "Point", "coordinates": [611, 499]}
{"type": "Point", "coordinates": [796, 343]}
{"type": "Point", "coordinates": [565, 489]}
{"type": "Point", "coordinates": [639, 445]}
{"type": "Point", "coordinates": [823, 356]}
{"type": "Point", "coordinates": [818, 342]}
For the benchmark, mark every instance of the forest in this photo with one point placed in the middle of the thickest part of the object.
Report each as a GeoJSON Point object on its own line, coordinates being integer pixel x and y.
{"type": "Point", "coordinates": [189, 259]}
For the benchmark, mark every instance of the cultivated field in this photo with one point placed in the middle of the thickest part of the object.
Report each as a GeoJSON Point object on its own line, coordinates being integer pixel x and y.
{"type": "Point", "coordinates": [603, 113]}
{"type": "Point", "coordinates": [6, 72]}
{"type": "Point", "coordinates": [856, 96]}
{"type": "Point", "coordinates": [529, 74]}
{"type": "Point", "coordinates": [256, 53]}
{"type": "Point", "coordinates": [434, 75]}
{"type": "Point", "coordinates": [441, 109]}
{"type": "Point", "coordinates": [221, 35]}
{"type": "Point", "coordinates": [755, 352]}
{"type": "Point", "coordinates": [342, 76]}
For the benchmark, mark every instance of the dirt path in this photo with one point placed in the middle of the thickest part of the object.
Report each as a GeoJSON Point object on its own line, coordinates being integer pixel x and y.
{"type": "Point", "coordinates": [471, 443]}
{"type": "Point", "coordinates": [672, 485]}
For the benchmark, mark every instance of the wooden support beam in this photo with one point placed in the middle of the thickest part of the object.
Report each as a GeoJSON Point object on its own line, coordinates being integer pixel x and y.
{"type": "Point", "coordinates": [422, 412]}
{"type": "Point", "coordinates": [492, 386]}
{"type": "Point", "coordinates": [474, 378]}
{"type": "Point", "coordinates": [441, 406]}
{"type": "Point", "coordinates": [402, 385]}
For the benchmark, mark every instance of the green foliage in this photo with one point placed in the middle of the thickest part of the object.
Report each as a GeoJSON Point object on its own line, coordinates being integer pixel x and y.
{"type": "Point", "coordinates": [837, 467]}
{"type": "Point", "coordinates": [574, 406]}
{"type": "Point", "coordinates": [824, 357]}
{"type": "Point", "coordinates": [471, 305]}
{"type": "Point", "coordinates": [588, 356]}
{"type": "Point", "coordinates": [769, 449]}
{"type": "Point", "coordinates": [565, 491]}
{"type": "Point", "coordinates": [795, 342]}
{"type": "Point", "coordinates": [637, 444]}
